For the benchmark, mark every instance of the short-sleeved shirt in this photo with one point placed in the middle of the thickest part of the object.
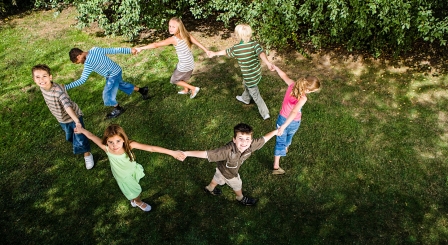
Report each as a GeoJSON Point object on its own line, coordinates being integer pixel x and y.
{"type": "Point", "coordinates": [229, 159]}
{"type": "Point", "coordinates": [247, 56]}
{"type": "Point", "coordinates": [57, 100]}
{"type": "Point", "coordinates": [288, 104]}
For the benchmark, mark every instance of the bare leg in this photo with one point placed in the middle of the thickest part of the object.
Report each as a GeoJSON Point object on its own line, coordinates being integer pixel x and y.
{"type": "Point", "coordinates": [212, 185]}
{"type": "Point", "coordinates": [276, 162]}
{"type": "Point", "coordinates": [186, 86]}
{"type": "Point", "coordinates": [86, 154]}
{"type": "Point", "coordinates": [239, 195]}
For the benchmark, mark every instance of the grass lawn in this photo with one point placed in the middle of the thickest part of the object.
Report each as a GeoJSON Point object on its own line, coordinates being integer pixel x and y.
{"type": "Point", "coordinates": [367, 166]}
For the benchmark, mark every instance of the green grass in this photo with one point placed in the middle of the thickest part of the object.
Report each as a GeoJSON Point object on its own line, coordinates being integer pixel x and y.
{"type": "Point", "coordinates": [368, 165]}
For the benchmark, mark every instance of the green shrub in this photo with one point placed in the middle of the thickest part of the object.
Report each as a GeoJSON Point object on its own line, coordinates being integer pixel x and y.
{"type": "Point", "coordinates": [373, 25]}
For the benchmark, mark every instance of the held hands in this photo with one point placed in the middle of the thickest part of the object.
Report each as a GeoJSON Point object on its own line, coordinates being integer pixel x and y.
{"type": "Point", "coordinates": [210, 54]}
{"type": "Point", "coordinates": [280, 130]}
{"type": "Point", "coordinates": [134, 51]}
{"type": "Point", "coordinates": [271, 66]}
{"type": "Point", "coordinates": [179, 155]}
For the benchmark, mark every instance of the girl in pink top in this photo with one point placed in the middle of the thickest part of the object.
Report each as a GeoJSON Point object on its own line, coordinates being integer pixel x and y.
{"type": "Point", "coordinates": [288, 120]}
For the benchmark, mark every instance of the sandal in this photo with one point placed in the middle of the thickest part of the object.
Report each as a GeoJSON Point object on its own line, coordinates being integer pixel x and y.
{"type": "Point", "coordinates": [146, 209]}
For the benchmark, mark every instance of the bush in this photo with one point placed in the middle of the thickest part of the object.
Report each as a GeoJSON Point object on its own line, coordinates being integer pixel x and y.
{"type": "Point", "coordinates": [373, 25]}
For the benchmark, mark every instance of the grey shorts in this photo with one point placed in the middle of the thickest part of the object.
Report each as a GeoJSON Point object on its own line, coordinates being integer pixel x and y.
{"type": "Point", "coordinates": [235, 183]}
{"type": "Point", "coordinates": [180, 76]}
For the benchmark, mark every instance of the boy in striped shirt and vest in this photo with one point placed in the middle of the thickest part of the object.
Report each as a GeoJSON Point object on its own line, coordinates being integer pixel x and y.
{"type": "Point", "coordinates": [64, 109]}
{"type": "Point", "coordinates": [96, 60]}
{"type": "Point", "coordinates": [247, 52]}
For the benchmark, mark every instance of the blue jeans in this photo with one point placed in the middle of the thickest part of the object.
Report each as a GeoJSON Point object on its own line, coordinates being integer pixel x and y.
{"type": "Point", "coordinates": [281, 142]}
{"type": "Point", "coordinates": [113, 84]}
{"type": "Point", "coordinates": [80, 142]}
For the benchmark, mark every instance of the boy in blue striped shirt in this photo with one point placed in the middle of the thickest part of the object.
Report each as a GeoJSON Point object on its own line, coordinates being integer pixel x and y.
{"type": "Point", "coordinates": [96, 60]}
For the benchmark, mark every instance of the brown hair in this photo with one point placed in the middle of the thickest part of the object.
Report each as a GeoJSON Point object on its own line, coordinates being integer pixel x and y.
{"type": "Point", "coordinates": [116, 130]}
{"type": "Point", "coordinates": [184, 34]}
{"type": "Point", "coordinates": [243, 129]}
{"type": "Point", "coordinates": [42, 67]}
{"type": "Point", "coordinates": [309, 83]}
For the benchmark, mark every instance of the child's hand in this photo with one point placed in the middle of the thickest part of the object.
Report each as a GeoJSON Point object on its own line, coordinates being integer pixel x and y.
{"type": "Point", "coordinates": [280, 130]}
{"type": "Point", "coordinates": [134, 51]}
{"type": "Point", "coordinates": [271, 66]}
{"type": "Point", "coordinates": [179, 155]}
{"type": "Point", "coordinates": [210, 54]}
{"type": "Point", "coordinates": [138, 50]}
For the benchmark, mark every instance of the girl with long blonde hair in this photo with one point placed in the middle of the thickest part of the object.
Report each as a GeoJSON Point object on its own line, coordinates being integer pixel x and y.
{"type": "Point", "coordinates": [182, 41]}
{"type": "Point", "coordinates": [290, 116]}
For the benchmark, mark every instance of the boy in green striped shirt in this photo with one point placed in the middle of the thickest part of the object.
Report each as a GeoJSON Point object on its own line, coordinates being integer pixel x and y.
{"type": "Point", "coordinates": [247, 52]}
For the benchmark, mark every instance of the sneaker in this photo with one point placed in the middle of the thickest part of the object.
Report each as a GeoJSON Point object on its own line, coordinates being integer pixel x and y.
{"type": "Point", "coordinates": [240, 99]}
{"type": "Point", "coordinates": [196, 90]}
{"type": "Point", "coordinates": [247, 201]}
{"type": "Point", "coordinates": [144, 91]}
{"type": "Point", "coordinates": [115, 113]}
{"type": "Point", "coordinates": [183, 92]}
{"type": "Point", "coordinates": [215, 191]}
{"type": "Point", "coordinates": [278, 171]}
{"type": "Point", "coordinates": [266, 117]}
{"type": "Point", "coordinates": [89, 161]}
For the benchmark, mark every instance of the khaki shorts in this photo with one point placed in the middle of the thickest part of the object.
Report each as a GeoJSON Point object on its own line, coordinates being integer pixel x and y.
{"type": "Point", "coordinates": [180, 76]}
{"type": "Point", "coordinates": [235, 183]}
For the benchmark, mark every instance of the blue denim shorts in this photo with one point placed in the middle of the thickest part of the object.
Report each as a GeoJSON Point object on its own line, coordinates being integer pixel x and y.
{"type": "Point", "coordinates": [281, 142]}
{"type": "Point", "coordinates": [80, 142]}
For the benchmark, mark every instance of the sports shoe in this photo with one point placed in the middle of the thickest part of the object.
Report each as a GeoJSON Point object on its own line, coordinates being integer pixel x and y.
{"type": "Point", "coordinates": [278, 171]}
{"type": "Point", "coordinates": [240, 99]}
{"type": "Point", "coordinates": [215, 191]}
{"type": "Point", "coordinates": [89, 161]}
{"type": "Point", "coordinates": [247, 201]}
{"type": "Point", "coordinates": [144, 91]}
{"type": "Point", "coordinates": [183, 92]}
{"type": "Point", "coordinates": [196, 90]}
{"type": "Point", "coordinates": [115, 113]}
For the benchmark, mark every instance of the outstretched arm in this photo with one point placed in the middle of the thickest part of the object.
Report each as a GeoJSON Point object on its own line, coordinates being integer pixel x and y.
{"type": "Point", "coordinates": [91, 137]}
{"type": "Point", "coordinates": [283, 76]}
{"type": "Point", "coordinates": [176, 154]}
{"type": "Point", "coordinates": [198, 154]}
{"type": "Point", "coordinates": [269, 135]}
{"type": "Point", "coordinates": [219, 53]}
{"type": "Point", "coordinates": [266, 61]}
{"type": "Point", "coordinates": [197, 43]}
{"type": "Point", "coordinates": [166, 42]}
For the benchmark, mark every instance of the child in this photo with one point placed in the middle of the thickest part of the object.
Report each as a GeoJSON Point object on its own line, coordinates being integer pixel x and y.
{"type": "Point", "coordinates": [64, 109]}
{"type": "Point", "coordinates": [288, 120]}
{"type": "Point", "coordinates": [96, 60]}
{"type": "Point", "coordinates": [247, 53]}
{"type": "Point", "coordinates": [229, 159]}
{"type": "Point", "coordinates": [182, 41]}
{"type": "Point", "coordinates": [126, 170]}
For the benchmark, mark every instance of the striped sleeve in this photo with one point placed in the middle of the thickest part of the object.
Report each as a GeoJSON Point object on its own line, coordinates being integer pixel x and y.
{"type": "Point", "coordinates": [85, 74]}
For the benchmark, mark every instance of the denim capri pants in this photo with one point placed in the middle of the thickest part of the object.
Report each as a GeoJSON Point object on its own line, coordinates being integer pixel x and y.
{"type": "Point", "coordinates": [281, 142]}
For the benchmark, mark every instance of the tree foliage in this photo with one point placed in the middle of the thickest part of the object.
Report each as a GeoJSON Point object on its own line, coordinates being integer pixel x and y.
{"type": "Point", "coordinates": [373, 25]}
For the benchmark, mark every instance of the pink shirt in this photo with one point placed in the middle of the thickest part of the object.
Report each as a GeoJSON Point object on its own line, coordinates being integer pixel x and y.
{"type": "Point", "coordinates": [288, 104]}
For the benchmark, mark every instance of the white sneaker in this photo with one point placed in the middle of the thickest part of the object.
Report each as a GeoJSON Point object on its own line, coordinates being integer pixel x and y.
{"type": "Point", "coordinates": [89, 161]}
{"type": "Point", "coordinates": [240, 99]}
{"type": "Point", "coordinates": [196, 90]}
